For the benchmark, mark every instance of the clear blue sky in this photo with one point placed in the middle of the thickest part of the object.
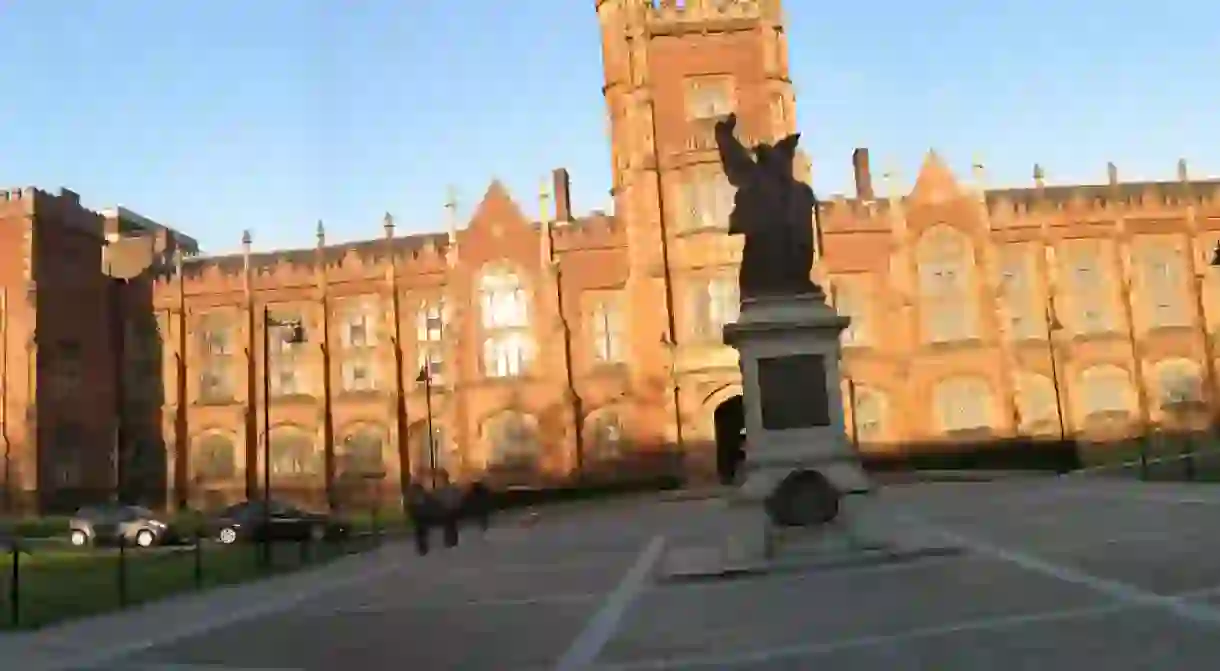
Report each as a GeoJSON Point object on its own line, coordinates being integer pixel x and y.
{"type": "Point", "coordinates": [220, 115]}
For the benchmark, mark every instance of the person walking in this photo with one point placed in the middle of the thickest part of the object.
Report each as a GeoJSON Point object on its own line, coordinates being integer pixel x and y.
{"type": "Point", "coordinates": [478, 503]}
{"type": "Point", "coordinates": [421, 508]}
{"type": "Point", "coordinates": [449, 504]}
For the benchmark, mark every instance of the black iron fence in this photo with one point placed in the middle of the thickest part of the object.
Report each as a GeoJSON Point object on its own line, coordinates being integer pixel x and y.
{"type": "Point", "coordinates": [48, 580]}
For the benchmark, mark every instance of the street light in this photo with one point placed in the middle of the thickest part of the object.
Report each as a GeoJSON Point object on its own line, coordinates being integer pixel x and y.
{"type": "Point", "coordinates": [295, 333]}
{"type": "Point", "coordinates": [425, 377]}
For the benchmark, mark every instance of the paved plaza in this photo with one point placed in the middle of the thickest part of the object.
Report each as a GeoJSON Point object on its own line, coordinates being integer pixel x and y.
{"type": "Point", "coordinates": [1034, 574]}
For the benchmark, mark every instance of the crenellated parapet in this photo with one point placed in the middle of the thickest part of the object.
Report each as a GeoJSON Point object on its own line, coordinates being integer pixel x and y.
{"type": "Point", "coordinates": [678, 16]}
{"type": "Point", "coordinates": [416, 255]}
{"type": "Point", "coordinates": [840, 214]}
{"type": "Point", "coordinates": [64, 207]}
{"type": "Point", "coordinates": [597, 231]}
{"type": "Point", "coordinates": [1136, 199]}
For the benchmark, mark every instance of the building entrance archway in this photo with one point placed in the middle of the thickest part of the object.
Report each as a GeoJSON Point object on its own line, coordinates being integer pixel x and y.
{"type": "Point", "coordinates": [729, 420]}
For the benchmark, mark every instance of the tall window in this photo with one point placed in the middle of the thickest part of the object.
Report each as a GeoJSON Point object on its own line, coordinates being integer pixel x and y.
{"type": "Point", "coordinates": [215, 358]}
{"type": "Point", "coordinates": [1016, 293]}
{"type": "Point", "coordinates": [1088, 288]}
{"type": "Point", "coordinates": [507, 343]}
{"type": "Point", "coordinates": [850, 301]}
{"type": "Point", "coordinates": [287, 378]}
{"type": "Point", "coordinates": [1164, 283]}
{"type": "Point", "coordinates": [714, 303]}
{"type": "Point", "coordinates": [709, 98]}
{"type": "Point", "coordinates": [947, 305]}
{"type": "Point", "coordinates": [606, 329]}
{"type": "Point", "coordinates": [358, 336]}
{"type": "Point", "coordinates": [430, 323]}
{"type": "Point", "coordinates": [707, 201]}
{"type": "Point", "coordinates": [358, 321]}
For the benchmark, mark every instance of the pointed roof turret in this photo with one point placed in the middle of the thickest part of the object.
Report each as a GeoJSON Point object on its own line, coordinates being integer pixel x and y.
{"type": "Point", "coordinates": [935, 182]}
{"type": "Point", "coordinates": [498, 207]}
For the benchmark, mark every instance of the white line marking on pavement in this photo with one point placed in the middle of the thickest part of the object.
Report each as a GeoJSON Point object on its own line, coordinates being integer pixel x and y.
{"type": "Point", "coordinates": [588, 645]}
{"type": "Point", "coordinates": [545, 599]}
{"type": "Point", "coordinates": [998, 623]}
{"type": "Point", "coordinates": [1114, 589]}
{"type": "Point", "coordinates": [197, 627]}
{"type": "Point", "coordinates": [198, 667]}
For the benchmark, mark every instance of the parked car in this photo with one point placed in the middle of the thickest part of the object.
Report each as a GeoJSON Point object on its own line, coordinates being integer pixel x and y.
{"type": "Point", "coordinates": [248, 521]}
{"type": "Point", "coordinates": [114, 522]}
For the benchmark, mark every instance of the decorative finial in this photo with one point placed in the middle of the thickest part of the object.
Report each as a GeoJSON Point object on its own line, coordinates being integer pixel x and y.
{"type": "Point", "coordinates": [1183, 173]}
{"type": "Point", "coordinates": [544, 200]}
{"type": "Point", "coordinates": [246, 239]}
{"type": "Point", "coordinates": [320, 232]}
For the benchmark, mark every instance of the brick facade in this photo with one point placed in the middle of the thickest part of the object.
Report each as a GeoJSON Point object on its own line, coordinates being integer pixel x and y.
{"type": "Point", "coordinates": [569, 345]}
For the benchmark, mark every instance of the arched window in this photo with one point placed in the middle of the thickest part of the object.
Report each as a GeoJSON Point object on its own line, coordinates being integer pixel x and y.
{"type": "Point", "coordinates": [1037, 405]}
{"type": "Point", "coordinates": [947, 305]}
{"type": "Point", "coordinates": [361, 452]}
{"type": "Point", "coordinates": [604, 436]}
{"type": "Point", "coordinates": [1105, 389]}
{"type": "Point", "coordinates": [293, 453]}
{"type": "Point", "coordinates": [869, 414]}
{"type": "Point", "coordinates": [1179, 384]}
{"type": "Point", "coordinates": [963, 404]}
{"type": "Point", "coordinates": [513, 439]}
{"type": "Point", "coordinates": [215, 458]}
{"type": "Point", "coordinates": [504, 306]}
{"type": "Point", "coordinates": [422, 451]}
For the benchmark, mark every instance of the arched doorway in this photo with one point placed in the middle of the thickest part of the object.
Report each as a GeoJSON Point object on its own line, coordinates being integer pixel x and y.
{"type": "Point", "coordinates": [729, 420]}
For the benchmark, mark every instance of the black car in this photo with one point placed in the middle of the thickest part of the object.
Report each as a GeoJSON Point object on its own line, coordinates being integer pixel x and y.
{"type": "Point", "coordinates": [253, 521]}
{"type": "Point", "coordinates": [114, 522]}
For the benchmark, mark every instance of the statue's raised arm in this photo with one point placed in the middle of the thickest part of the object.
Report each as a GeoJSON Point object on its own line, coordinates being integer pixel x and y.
{"type": "Point", "coordinates": [734, 157]}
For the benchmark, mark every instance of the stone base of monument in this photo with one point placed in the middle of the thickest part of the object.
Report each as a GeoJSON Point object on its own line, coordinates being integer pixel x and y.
{"type": "Point", "coordinates": [745, 542]}
{"type": "Point", "coordinates": [797, 505]}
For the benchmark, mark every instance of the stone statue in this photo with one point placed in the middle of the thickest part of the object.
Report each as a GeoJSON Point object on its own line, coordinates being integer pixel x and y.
{"type": "Point", "coordinates": [773, 210]}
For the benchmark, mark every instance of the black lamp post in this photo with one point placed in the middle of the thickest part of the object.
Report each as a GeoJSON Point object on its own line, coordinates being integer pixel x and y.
{"type": "Point", "coordinates": [425, 377]}
{"type": "Point", "coordinates": [295, 333]}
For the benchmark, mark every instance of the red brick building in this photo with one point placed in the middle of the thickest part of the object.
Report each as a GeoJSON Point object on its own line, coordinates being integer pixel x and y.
{"type": "Point", "coordinates": [564, 345]}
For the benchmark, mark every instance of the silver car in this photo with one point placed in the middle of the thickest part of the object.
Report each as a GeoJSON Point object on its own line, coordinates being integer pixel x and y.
{"type": "Point", "coordinates": [113, 523]}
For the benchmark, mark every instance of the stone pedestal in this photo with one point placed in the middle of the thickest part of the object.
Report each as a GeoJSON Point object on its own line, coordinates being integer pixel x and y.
{"type": "Point", "coordinates": [799, 461]}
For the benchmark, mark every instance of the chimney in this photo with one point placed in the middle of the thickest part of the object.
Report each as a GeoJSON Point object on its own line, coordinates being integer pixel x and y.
{"type": "Point", "coordinates": [864, 178]}
{"type": "Point", "coordinates": [563, 194]}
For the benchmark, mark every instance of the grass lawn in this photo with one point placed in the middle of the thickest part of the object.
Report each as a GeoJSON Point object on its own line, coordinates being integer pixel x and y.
{"type": "Point", "coordinates": [60, 583]}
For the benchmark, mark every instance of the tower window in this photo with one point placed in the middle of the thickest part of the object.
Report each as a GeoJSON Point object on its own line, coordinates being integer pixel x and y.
{"type": "Point", "coordinates": [709, 98]}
